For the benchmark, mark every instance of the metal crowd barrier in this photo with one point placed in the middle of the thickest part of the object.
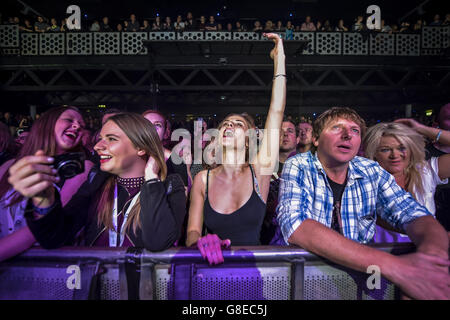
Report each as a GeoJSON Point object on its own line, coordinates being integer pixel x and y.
{"type": "Point", "coordinates": [431, 41]}
{"type": "Point", "coordinates": [248, 273]}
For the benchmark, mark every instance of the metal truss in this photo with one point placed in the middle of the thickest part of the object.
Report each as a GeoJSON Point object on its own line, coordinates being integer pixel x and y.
{"type": "Point", "coordinates": [237, 85]}
{"type": "Point", "coordinates": [220, 77]}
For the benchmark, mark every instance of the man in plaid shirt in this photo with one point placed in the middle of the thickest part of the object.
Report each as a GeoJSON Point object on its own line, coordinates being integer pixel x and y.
{"type": "Point", "coordinates": [329, 203]}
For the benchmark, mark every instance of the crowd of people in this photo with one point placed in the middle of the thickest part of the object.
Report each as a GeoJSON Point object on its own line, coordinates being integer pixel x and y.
{"type": "Point", "coordinates": [330, 186]}
{"type": "Point", "coordinates": [211, 23]}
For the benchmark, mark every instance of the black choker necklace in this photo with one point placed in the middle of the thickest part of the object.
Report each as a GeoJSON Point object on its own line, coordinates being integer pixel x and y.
{"type": "Point", "coordinates": [131, 182]}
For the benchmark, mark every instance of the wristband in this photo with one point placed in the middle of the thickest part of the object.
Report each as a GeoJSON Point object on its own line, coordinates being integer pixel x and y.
{"type": "Point", "coordinates": [438, 136]}
{"type": "Point", "coordinates": [279, 75]}
{"type": "Point", "coordinates": [154, 180]}
{"type": "Point", "coordinates": [44, 211]}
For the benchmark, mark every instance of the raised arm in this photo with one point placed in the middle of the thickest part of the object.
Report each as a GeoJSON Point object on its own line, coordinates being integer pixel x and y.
{"type": "Point", "coordinates": [267, 157]}
{"type": "Point", "coordinates": [429, 132]}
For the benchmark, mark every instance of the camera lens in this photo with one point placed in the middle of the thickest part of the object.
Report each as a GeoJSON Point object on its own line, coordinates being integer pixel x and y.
{"type": "Point", "coordinates": [69, 169]}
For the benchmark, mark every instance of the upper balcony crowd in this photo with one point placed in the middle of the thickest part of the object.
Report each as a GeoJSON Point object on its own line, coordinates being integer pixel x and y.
{"type": "Point", "coordinates": [204, 23]}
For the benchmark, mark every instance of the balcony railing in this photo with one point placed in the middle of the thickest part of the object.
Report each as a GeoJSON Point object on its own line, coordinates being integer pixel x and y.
{"type": "Point", "coordinates": [431, 41]}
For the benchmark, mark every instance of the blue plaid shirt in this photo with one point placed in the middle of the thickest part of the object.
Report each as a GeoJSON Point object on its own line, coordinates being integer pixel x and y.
{"type": "Point", "coordinates": [370, 191]}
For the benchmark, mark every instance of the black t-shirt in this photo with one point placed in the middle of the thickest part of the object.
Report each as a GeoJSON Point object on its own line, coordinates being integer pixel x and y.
{"type": "Point", "coordinates": [280, 168]}
{"type": "Point", "coordinates": [338, 190]}
{"type": "Point", "coordinates": [431, 151]}
{"type": "Point", "coordinates": [211, 25]}
{"type": "Point", "coordinates": [190, 25]}
{"type": "Point", "coordinates": [105, 27]}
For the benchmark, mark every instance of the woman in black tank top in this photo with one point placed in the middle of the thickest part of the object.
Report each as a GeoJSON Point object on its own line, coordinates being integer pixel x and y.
{"type": "Point", "coordinates": [229, 200]}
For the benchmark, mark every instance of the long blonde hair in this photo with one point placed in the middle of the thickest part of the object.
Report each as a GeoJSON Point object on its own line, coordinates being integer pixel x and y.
{"type": "Point", "coordinates": [413, 141]}
{"type": "Point", "coordinates": [143, 135]}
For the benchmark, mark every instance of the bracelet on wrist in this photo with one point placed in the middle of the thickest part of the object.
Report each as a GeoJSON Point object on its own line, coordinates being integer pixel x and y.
{"type": "Point", "coordinates": [44, 211]}
{"type": "Point", "coordinates": [438, 136]}
{"type": "Point", "coordinates": [154, 180]}
{"type": "Point", "coordinates": [279, 75]}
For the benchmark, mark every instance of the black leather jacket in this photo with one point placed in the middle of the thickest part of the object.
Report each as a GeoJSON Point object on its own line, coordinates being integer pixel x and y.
{"type": "Point", "coordinates": [163, 208]}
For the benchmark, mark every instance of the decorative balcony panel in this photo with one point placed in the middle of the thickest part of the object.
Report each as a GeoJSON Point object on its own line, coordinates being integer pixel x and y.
{"type": "Point", "coordinates": [328, 43]}
{"type": "Point", "coordinates": [107, 43]}
{"type": "Point", "coordinates": [29, 44]}
{"type": "Point", "coordinates": [382, 44]}
{"type": "Point", "coordinates": [163, 36]}
{"type": "Point", "coordinates": [245, 36]}
{"type": "Point", "coordinates": [306, 36]}
{"type": "Point", "coordinates": [407, 44]}
{"type": "Point", "coordinates": [52, 44]}
{"type": "Point", "coordinates": [79, 43]}
{"type": "Point", "coordinates": [355, 44]}
{"type": "Point", "coordinates": [132, 43]}
{"type": "Point", "coordinates": [9, 36]}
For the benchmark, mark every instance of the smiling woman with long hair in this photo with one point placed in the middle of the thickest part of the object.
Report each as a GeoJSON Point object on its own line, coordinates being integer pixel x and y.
{"type": "Point", "coordinates": [399, 147]}
{"type": "Point", "coordinates": [130, 202]}
{"type": "Point", "coordinates": [57, 132]}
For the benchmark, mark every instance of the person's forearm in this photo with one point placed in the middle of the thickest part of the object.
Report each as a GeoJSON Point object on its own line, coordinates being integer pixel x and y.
{"type": "Point", "coordinates": [16, 243]}
{"type": "Point", "coordinates": [46, 200]}
{"type": "Point", "coordinates": [161, 215]}
{"type": "Point", "coordinates": [192, 238]}
{"type": "Point", "coordinates": [429, 236]}
{"type": "Point", "coordinates": [432, 133]}
{"type": "Point", "coordinates": [325, 242]}
{"type": "Point", "coordinates": [278, 99]}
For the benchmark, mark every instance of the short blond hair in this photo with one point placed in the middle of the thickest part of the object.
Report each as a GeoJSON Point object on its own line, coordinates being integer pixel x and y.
{"type": "Point", "coordinates": [335, 113]}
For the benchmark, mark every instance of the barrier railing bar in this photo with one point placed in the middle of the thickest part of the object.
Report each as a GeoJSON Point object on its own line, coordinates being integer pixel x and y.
{"type": "Point", "coordinates": [174, 255]}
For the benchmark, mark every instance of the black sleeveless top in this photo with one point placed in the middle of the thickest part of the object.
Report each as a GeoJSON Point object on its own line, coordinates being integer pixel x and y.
{"type": "Point", "coordinates": [242, 227]}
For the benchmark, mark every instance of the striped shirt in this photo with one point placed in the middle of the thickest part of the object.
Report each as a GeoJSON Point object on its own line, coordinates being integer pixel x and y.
{"type": "Point", "coordinates": [370, 191]}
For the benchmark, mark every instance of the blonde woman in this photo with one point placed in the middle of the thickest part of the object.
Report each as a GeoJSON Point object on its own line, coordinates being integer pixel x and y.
{"type": "Point", "coordinates": [399, 147]}
{"type": "Point", "coordinates": [128, 203]}
{"type": "Point", "coordinates": [230, 200]}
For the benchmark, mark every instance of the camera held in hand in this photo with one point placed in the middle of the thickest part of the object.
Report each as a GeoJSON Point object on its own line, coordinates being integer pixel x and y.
{"type": "Point", "coordinates": [69, 164]}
